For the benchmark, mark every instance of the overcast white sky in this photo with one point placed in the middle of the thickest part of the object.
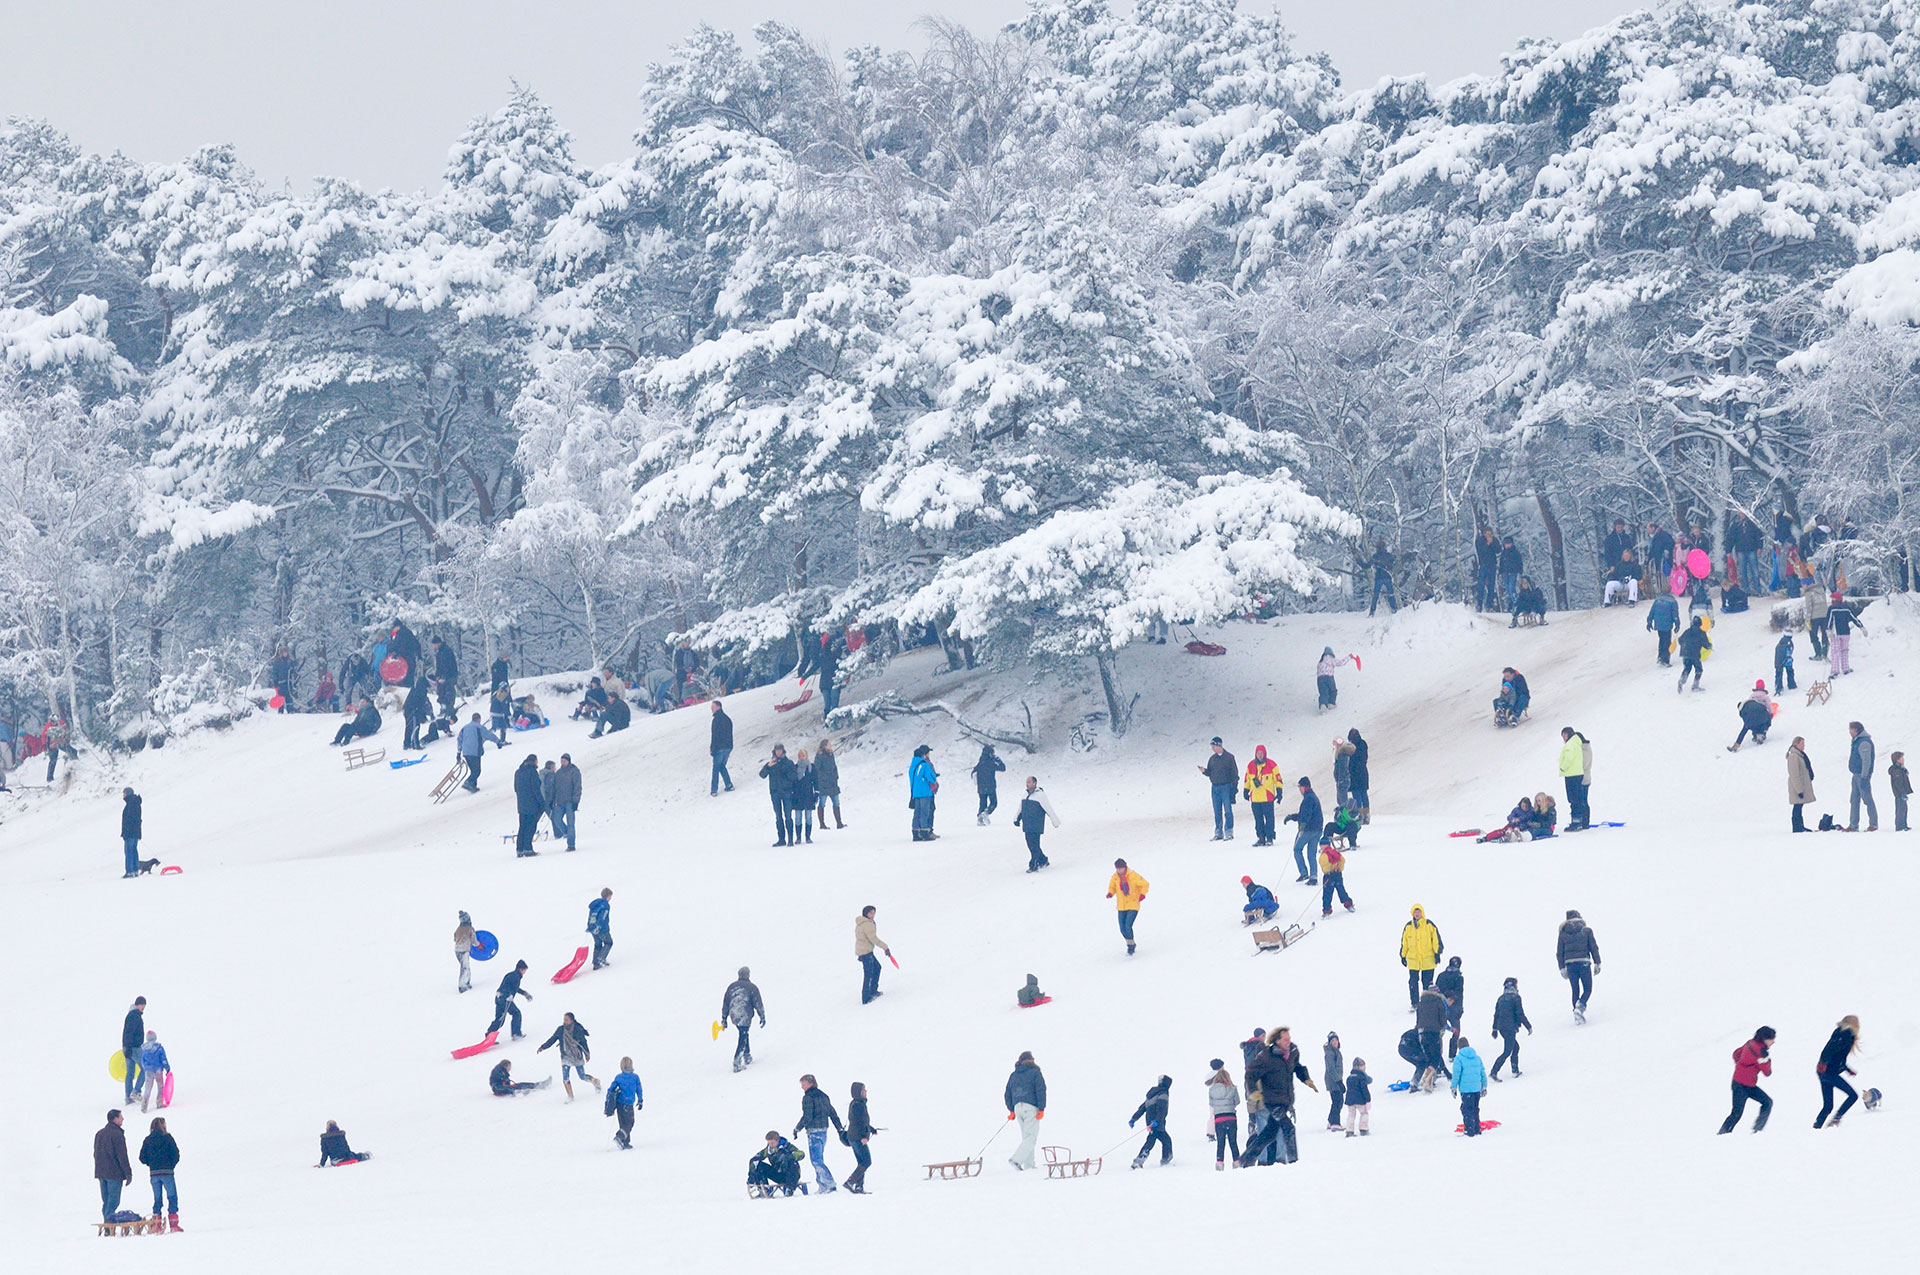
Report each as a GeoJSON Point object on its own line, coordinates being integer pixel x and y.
{"type": "Point", "coordinates": [376, 90]}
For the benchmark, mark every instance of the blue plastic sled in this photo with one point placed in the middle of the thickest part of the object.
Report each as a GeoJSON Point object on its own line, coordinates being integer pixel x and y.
{"type": "Point", "coordinates": [485, 946]}
{"type": "Point", "coordinates": [401, 765]}
{"type": "Point", "coordinates": [1400, 1086]}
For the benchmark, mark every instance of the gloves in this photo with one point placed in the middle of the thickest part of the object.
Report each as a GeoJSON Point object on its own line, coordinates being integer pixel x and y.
{"type": "Point", "coordinates": [1009, 1115]}
{"type": "Point", "coordinates": [1403, 962]}
{"type": "Point", "coordinates": [1596, 967]}
{"type": "Point", "coordinates": [1819, 1069]}
{"type": "Point", "coordinates": [1039, 1115]}
{"type": "Point", "coordinates": [1135, 1121]}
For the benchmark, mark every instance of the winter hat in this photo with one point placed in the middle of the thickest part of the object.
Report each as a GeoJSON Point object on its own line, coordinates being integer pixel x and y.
{"type": "Point", "coordinates": [1759, 683]}
{"type": "Point", "coordinates": [520, 965]}
{"type": "Point", "coordinates": [1511, 984]}
{"type": "Point", "coordinates": [1327, 651]}
{"type": "Point", "coordinates": [1215, 741]}
{"type": "Point", "coordinates": [744, 971]}
{"type": "Point", "coordinates": [1359, 1064]}
{"type": "Point", "coordinates": [1216, 1063]}
{"type": "Point", "coordinates": [152, 1036]}
{"type": "Point", "coordinates": [1453, 962]}
{"type": "Point", "coordinates": [1026, 1055]}
{"type": "Point", "coordinates": [126, 792]}
{"type": "Point", "coordinates": [139, 1000]}
{"type": "Point", "coordinates": [465, 919]}
{"type": "Point", "coordinates": [1246, 880]}
{"type": "Point", "coordinates": [1572, 915]}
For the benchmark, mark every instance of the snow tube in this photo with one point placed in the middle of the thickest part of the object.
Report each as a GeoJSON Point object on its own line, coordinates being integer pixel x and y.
{"type": "Point", "coordinates": [485, 946]}
{"type": "Point", "coordinates": [1698, 564]}
{"type": "Point", "coordinates": [393, 670]}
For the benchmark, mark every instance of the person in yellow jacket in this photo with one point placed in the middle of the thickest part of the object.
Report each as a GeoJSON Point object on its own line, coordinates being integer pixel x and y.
{"type": "Point", "coordinates": [1420, 949]}
{"type": "Point", "coordinates": [1576, 768]}
{"type": "Point", "coordinates": [1262, 788]}
{"type": "Point", "coordinates": [1128, 890]}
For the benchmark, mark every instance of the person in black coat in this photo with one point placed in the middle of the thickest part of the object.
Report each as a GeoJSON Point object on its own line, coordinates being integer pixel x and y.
{"type": "Point", "coordinates": [130, 831]}
{"type": "Point", "coordinates": [720, 747]}
{"type": "Point", "coordinates": [415, 712]}
{"type": "Point", "coordinates": [1306, 841]}
{"type": "Point", "coordinates": [779, 773]}
{"type": "Point", "coordinates": [161, 1154]}
{"type": "Point", "coordinates": [1359, 777]}
{"type": "Point", "coordinates": [859, 1130]}
{"type": "Point", "coordinates": [133, 1037]}
{"type": "Point", "coordinates": [1154, 1110]}
{"type": "Point", "coordinates": [1452, 984]}
{"type": "Point", "coordinates": [526, 795]}
{"type": "Point", "coordinates": [1271, 1071]}
{"type": "Point", "coordinates": [498, 674]}
{"type": "Point", "coordinates": [503, 1006]}
{"type": "Point", "coordinates": [986, 778]}
{"type": "Point", "coordinates": [366, 722]}
{"type": "Point", "coordinates": [1382, 564]}
{"type": "Point", "coordinates": [1833, 1070]}
{"type": "Point", "coordinates": [1509, 1016]}
{"type": "Point", "coordinates": [446, 675]}
{"type": "Point", "coordinates": [334, 1148]}
{"type": "Point", "coordinates": [502, 1084]}
{"type": "Point", "coordinates": [403, 643]}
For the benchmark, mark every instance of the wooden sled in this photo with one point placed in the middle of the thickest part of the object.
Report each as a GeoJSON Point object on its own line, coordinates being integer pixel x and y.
{"type": "Point", "coordinates": [1061, 1164]}
{"type": "Point", "coordinates": [1276, 940]}
{"type": "Point", "coordinates": [139, 1226]}
{"type": "Point", "coordinates": [452, 780]}
{"type": "Point", "coordinates": [1819, 692]}
{"type": "Point", "coordinates": [361, 757]}
{"type": "Point", "coordinates": [1530, 620]}
{"type": "Point", "coordinates": [954, 1170]}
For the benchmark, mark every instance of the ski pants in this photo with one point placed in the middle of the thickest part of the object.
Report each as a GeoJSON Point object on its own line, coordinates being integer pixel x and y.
{"type": "Point", "coordinates": [1263, 820]}
{"type": "Point", "coordinates": [163, 1185]}
{"type": "Point", "coordinates": [1329, 693]}
{"type": "Point", "coordinates": [1226, 1137]}
{"type": "Point", "coordinates": [817, 1156]}
{"type": "Point", "coordinates": [1509, 1054]}
{"type": "Point", "coordinates": [1577, 809]}
{"type": "Point", "coordinates": [1829, 1083]}
{"type": "Point", "coordinates": [1222, 810]}
{"type": "Point", "coordinates": [1156, 1134]}
{"type": "Point", "coordinates": [1278, 1134]}
{"type": "Point", "coordinates": [1417, 981]}
{"type": "Point", "coordinates": [1580, 982]}
{"type": "Point", "coordinates": [1305, 842]}
{"type": "Point", "coordinates": [466, 970]}
{"type": "Point", "coordinates": [1740, 1095]}
{"type": "Point", "coordinates": [1029, 1117]}
{"type": "Point", "coordinates": [1616, 587]}
{"type": "Point", "coordinates": [602, 945]}
{"type": "Point", "coordinates": [1357, 1116]}
{"type": "Point", "coordinates": [1842, 653]}
{"type": "Point", "coordinates": [1470, 1114]}
{"type": "Point", "coordinates": [989, 800]}
{"type": "Point", "coordinates": [1689, 663]}
{"type": "Point", "coordinates": [742, 1051]}
{"type": "Point", "coordinates": [720, 756]}
{"type": "Point", "coordinates": [1334, 883]}
{"type": "Point", "coordinates": [1862, 791]}
{"type": "Point", "coordinates": [869, 977]}
{"type": "Point", "coordinates": [1035, 857]}
{"type": "Point", "coordinates": [503, 1009]}
{"type": "Point", "coordinates": [1784, 672]}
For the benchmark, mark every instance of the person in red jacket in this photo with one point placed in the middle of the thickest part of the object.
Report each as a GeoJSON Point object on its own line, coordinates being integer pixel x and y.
{"type": "Point", "coordinates": [1750, 1062]}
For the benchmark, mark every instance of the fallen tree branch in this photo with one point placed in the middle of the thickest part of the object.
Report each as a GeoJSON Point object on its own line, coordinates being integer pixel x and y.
{"type": "Point", "coordinates": [890, 704]}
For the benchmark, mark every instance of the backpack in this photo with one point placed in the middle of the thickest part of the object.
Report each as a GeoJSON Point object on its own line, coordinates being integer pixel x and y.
{"type": "Point", "coordinates": [739, 1006]}
{"type": "Point", "coordinates": [1826, 823]}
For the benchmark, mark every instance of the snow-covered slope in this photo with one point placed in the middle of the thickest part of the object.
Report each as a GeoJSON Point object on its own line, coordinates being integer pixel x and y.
{"type": "Point", "coordinates": [300, 970]}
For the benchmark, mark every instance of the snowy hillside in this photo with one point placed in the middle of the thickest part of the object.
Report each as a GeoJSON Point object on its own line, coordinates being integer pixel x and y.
{"type": "Point", "coordinates": [300, 970]}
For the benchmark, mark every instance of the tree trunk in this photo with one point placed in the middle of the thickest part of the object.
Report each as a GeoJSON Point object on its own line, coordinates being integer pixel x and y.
{"type": "Point", "coordinates": [1556, 543]}
{"type": "Point", "coordinates": [1119, 715]}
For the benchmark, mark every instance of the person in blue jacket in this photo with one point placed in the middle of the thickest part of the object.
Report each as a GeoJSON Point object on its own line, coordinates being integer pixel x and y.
{"type": "Point", "coordinates": [623, 1099]}
{"type": "Point", "coordinates": [1306, 841]}
{"type": "Point", "coordinates": [923, 781]}
{"type": "Point", "coordinates": [600, 926]}
{"type": "Point", "coordinates": [1469, 1082]}
{"type": "Point", "coordinates": [1663, 617]}
{"type": "Point", "coordinates": [1261, 905]}
{"type": "Point", "coordinates": [153, 1069]}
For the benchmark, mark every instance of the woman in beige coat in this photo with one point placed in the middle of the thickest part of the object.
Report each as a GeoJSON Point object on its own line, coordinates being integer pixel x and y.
{"type": "Point", "coordinates": [1799, 781]}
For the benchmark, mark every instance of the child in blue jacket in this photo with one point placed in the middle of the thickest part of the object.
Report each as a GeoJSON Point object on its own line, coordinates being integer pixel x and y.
{"type": "Point", "coordinates": [1261, 905]}
{"type": "Point", "coordinates": [623, 1099]}
{"type": "Point", "coordinates": [1469, 1082]}
{"type": "Point", "coordinates": [153, 1069]}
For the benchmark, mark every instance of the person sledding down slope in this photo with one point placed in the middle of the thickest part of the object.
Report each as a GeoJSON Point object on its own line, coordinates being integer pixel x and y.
{"type": "Point", "coordinates": [1532, 819]}
{"type": "Point", "coordinates": [1511, 704]}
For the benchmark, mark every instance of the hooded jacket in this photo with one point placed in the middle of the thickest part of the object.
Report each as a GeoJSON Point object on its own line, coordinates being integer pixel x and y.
{"type": "Point", "coordinates": [1469, 1073]}
{"type": "Point", "coordinates": [130, 818]}
{"type": "Point", "coordinates": [1359, 1088]}
{"type": "Point", "coordinates": [1154, 1107]}
{"type": "Point", "coordinates": [1576, 943]}
{"type": "Point", "coordinates": [1509, 1015]}
{"type": "Point", "coordinates": [741, 1002]}
{"type": "Point", "coordinates": [526, 788]}
{"type": "Point", "coordinates": [1263, 781]}
{"type": "Point", "coordinates": [1026, 1084]}
{"type": "Point", "coordinates": [1664, 614]}
{"type": "Point", "coordinates": [1750, 1062]}
{"type": "Point", "coordinates": [1420, 942]}
{"type": "Point", "coordinates": [987, 769]}
{"type": "Point", "coordinates": [1430, 1011]}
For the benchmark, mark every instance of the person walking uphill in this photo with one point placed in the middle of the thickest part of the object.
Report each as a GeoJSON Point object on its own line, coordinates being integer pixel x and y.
{"type": "Point", "coordinates": [1128, 890]}
{"type": "Point", "coordinates": [161, 1154]}
{"type": "Point", "coordinates": [1261, 787]}
{"type": "Point", "coordinates": [1154, 1110]}
{"type": "Point", "coordinates": [130, 830]}
{"type": "Point", "coordinates": [923, 783]}
{"type": "Point", "coordinates": [472, 744]}
{"type": "Point", "coordinates": [1309, 821]}
{"type": "Point", "coordinates": [1026, 1099]}
{"type": "Point", "coordinates": [1578, 955]}
{"type": "Point", "coordinates": [738, 1005]}
{"type": "Point", "coordinates": [816, 1113]}
{"type": "Point", "coordinates": [624, 1097]}
{"type": "Point", "coordinates": [1420, 949]}
{"type": "Point", "coordinates": [1750, 1062]}
{"type": "Point", "coordinates": [1663, 617]}
{"type": "Point", "coordinates": [720, 747]}
{"type": "Point", "coordinates": [1694, 644]}
{"type": "Point", "coordinates": [1509, 1016]}
{"type": "Point", "coordinates": [1860, 767]}
{"type": "Point", "coordinates": [986, 781]}
{"type": "Point", "coordinates": [110, 1164]}
{"type": "Point", "coordinates": [1035, 810]}
{"type": "Point", "coordinates": [600, 926]}
{"type": "Point", "coordinates": [530, 805]}
{"type": "Point", "coordinates": [503, 1005]}
{"type": "Point", "coordinates": [1833, 1070]}
{"type": "Point", "coordinates": [1576, 770]}
{"type": "Point", "coordinates": [1222, 772]}
{"type": "Point", "coordinates": [865, 939]}
{"type": "Point", "coordinates": [1799, 781]}
{"type": "Point", "coordinates": [133, 1038]}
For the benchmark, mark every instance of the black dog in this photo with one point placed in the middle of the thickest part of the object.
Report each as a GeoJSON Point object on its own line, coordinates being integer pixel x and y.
{"type": "Point", "coordinates": [148, 865]}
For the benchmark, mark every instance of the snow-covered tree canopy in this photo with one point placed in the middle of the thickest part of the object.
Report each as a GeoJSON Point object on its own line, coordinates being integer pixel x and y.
{"type": "Point", "coordinates": [1128, 313]}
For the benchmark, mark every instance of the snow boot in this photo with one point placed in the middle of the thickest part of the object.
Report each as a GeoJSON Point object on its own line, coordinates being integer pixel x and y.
{"type": "Point", "coordinates": [156, 1227]}
{"type": "Point", "coordinates": [1129, 949]}
{"type": "Point", "coordinates": [1348, 905]}
{"type": "Point", "coordinates": [173, 1224]}
{"type": "Point", "coordinates": [1219, 1166]}
{"type": "Point", "coordinates": [1139, 1160]}
{"type": "Point", "coordinates": [836, 819]}
{"type": "Point", "coordinates": [1326, 912]}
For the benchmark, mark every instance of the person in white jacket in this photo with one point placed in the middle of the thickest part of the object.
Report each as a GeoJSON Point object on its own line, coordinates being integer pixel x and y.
{"type": "Point", "coordinates": [1035, 811]}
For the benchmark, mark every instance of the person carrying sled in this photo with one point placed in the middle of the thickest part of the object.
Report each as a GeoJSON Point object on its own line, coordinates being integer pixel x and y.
{"type": "Point", "coordinates": [1309, 822]}
{"type": "Point", "coordinates": [1260, 906]}
{"type": "Point", "coordinates": [153, 1070]}
{"type": "Point", "coordinates": [335, 1150]}
{"type": "Point", "coordinates": [866, 937]}
{"type": "Point", "coordinates": [503, 1004]}
{"type": "Point", "coordinates": [738, 1005]}
{"type": "Point", "coordinates": [463, 939]}
{"type": "Point", "coordinates": [986, 781]}
{"type": "Point", "coordinates": [1035, 811]}
{"type": "Point", "coordinates": [1261, 787]}
{"type": "Point", "coordinates": [1756, 715]}
{"type": "Point", "coordinates": [775, 1168]}
{"type": "Point", "coordinates": [1694, 645]}
{"type": "Point", "coordinates": [1750, 1062]}
{"type": "Point", "coordinates": [133, 1038]}
{"type": "Point", "coordinates": [623, 1099]}
{"type": "Point", "coordinates": [1833, 1070]}
{"type": "Point", "coordinates": [571, 1036]}
{"type": "Point", "coordinates": [1420, 950]}
{"type": "Point", "coordinates": [472, 745]}
{"type": "Point", "coordinates": [1153, 1109]}
{"type": "Point", "coordinates": [1323, 677]}
{"type": "Point", "coordinates": [1578, 955]}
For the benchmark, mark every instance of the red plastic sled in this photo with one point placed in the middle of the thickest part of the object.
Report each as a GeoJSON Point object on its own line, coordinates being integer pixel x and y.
{"type": "Point", "coordinates": [896, 964]}
{"type": "Point", "coordinates": [1044, 1000]}
{"type": "Point", "coordinates": [492, 1039]}
{"type": "Point", "coordinates": [171, 870]}
{"type": "Point", "coordinates": [1197, 647]}
{"type": "Point", "coordinates": [572, 967]}
{"type": "Point", "coordinates": [1356, 662]}
{"type": "Point", "coordinates": [393, 670]}
{"type": "Point", "coordinates": [1465, 832]}
{"type": "Point", "coordinates": [806, 694]}
{"type": "Point", "coordinates": [1484, 1126]}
